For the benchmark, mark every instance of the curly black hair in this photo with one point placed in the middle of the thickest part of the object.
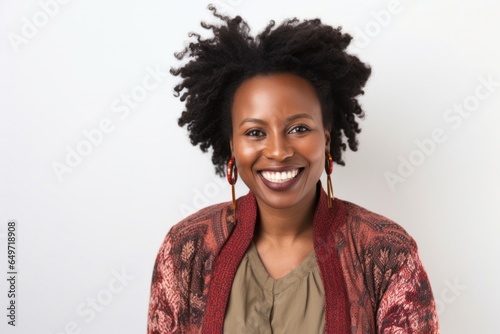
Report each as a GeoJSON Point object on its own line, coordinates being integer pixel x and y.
{"type": "Point", "coordinates": [310, 49]}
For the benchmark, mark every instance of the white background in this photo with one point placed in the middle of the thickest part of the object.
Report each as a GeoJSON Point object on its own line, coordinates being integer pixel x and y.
{"type": "Point", "coordinates": [107, 216]}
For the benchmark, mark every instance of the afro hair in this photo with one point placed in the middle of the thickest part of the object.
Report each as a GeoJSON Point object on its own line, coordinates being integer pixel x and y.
{"type": "Point", "coordinates": [217, 66]}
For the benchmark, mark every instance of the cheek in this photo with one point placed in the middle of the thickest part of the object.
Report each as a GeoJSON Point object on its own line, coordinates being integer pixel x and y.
{"type": "Point", "coordinates": [315, 152]}
{"type": "Point", "coordinates": [320, 161]}
{"type": "Point", "coordinates": [245, 154]}
{"type": "Point", "coordinates": [314, 148]}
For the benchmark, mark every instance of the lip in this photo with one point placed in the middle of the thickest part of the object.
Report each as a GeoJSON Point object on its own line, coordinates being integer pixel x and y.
{"type": "Point", "coordinates": [282, 186]}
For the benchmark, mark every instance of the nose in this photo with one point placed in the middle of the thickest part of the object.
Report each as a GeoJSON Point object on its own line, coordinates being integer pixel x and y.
{"type": "Point", "coordinates": [278, 148]}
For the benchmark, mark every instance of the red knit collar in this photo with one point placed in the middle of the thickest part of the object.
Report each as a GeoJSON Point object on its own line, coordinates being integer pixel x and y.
{"type": "Point", "coordinates": [326, 222]}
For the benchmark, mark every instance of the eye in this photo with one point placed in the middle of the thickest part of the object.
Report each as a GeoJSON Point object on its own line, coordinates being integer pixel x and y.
{"type": "Point", "coordinates": [254, 133]}
{"type": "Point", "coordinates": [299, 129]}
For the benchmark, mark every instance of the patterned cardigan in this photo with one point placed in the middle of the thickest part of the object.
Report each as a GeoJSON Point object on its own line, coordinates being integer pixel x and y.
{"type": "Point", "coordinates": [373, 279]}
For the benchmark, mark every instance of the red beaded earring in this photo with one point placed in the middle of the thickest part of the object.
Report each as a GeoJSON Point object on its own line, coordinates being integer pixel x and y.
{"type": "Point", "coordinates": [329, 169]}
{"type": "Point", "coordinates": [232, 177]}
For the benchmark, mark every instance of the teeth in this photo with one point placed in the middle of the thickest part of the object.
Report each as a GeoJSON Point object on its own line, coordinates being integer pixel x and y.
{"type": "Point", "coordinates": [280, 177]}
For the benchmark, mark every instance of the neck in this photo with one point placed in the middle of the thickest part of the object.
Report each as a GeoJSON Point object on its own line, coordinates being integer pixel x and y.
{"type": "Point", "coordinates": [286, 224]}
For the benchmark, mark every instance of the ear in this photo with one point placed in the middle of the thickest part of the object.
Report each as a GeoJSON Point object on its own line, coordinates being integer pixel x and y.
{"type": "Point", "coordinates": [231, 145]}
{"type": "Point", "coordinates": [328, 137]}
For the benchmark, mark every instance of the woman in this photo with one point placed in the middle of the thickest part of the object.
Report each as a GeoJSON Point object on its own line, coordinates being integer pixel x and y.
{"type": "Point", "coordinates": [288, 257]}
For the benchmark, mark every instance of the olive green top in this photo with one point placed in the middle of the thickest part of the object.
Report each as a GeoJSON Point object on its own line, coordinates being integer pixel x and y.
{"type": "Point", "coordinates": [260, 304]}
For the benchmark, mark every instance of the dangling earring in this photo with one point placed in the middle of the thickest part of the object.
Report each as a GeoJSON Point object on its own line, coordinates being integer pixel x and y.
{"type": "Point", "coordinates": [329, 169]}
{"type": "Point", "coordinates": [232, 177]}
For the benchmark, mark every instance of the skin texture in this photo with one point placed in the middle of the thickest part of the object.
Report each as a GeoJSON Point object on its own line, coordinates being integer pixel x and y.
{"type": "Point", "coordinates": [277, 126]}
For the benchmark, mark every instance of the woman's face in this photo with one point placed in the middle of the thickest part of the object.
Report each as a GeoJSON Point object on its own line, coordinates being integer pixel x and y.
{"type": "Point", "coordinates": [278, 139]}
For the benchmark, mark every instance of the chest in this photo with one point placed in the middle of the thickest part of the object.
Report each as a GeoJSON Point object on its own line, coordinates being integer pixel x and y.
{"type": "Point", "coordinates": [278, 262]}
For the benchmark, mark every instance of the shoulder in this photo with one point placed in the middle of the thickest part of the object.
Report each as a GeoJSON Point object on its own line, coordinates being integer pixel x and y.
{"type": "Point", "coordinates": [375, 247]}
{"type": "Point", "coordinates": [195, 238]}
{"type": "Point", "coordinates": [383, 262]}
{"type": "Point", "coordinates": [369, 227]}
{"type": "Point", "coordinates": [183, 266]}
{"type": "Point", "coordinates": [207, 216]}
{"type": "Point", "coordinates": [374, 240]}
{"type": "Point", "coordinates": [211, 224]}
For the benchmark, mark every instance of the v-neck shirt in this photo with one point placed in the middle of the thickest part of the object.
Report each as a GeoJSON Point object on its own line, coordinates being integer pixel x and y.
{"type": "Point", "coordinates": [261, 304]}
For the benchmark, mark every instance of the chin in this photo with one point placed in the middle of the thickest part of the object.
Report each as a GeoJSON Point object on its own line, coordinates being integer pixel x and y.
{"type": "Point", "coordinates": [280, 200]}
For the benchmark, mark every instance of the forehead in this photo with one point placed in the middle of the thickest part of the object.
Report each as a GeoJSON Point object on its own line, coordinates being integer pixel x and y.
{"type": "Point", "coordinates": [275, 94]}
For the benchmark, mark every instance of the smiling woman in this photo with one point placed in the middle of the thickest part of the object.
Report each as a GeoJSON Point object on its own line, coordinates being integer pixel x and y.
{"type": "Point", "coordinates": [278, 109]}
{"type": "Point", "coordinates": [278, 133]}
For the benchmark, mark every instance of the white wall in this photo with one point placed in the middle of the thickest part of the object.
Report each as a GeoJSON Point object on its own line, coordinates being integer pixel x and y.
{"type": "Point", "coordinates": [108, 216]}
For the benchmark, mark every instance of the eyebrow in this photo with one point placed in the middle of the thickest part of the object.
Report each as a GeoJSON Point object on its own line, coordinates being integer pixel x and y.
{"type": "Point", "coordinates": [289, 119]}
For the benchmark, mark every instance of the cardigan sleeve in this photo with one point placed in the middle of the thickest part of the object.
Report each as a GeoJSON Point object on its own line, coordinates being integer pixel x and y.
{"type": "Point", "coordinates": [165, 297]}
{"type": "Point", "coordinates": [407, 305]}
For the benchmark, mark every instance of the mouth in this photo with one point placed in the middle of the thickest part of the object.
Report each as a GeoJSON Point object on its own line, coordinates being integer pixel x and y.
{"type": "Point", "coordinates": [283, 180]}
{"type": "Point", "coordinates": [280, 177]}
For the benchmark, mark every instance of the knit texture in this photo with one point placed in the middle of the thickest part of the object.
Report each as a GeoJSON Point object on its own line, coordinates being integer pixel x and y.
{"type": "Point", "coordinates": [227, 264]}
{"type": "Point", "coordinates": [373, 279]}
